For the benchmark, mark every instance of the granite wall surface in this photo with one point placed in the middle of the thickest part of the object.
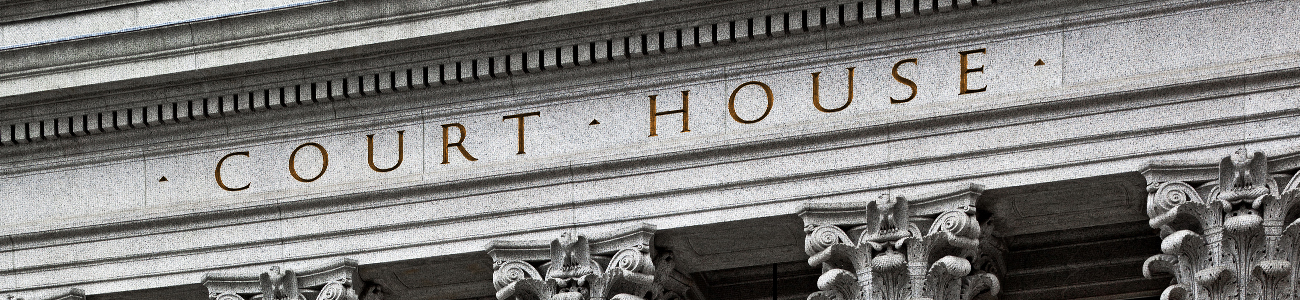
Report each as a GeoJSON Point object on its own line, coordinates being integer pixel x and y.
{"type": "Point", "coordinates": [115, 189]}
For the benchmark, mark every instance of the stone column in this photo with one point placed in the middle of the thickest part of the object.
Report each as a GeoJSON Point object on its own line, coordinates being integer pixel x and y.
{"type": "Point", "coordinates": [619, 265]}
{"type": "Point", "coordinates": [328, 282]}
{"type": "Point", "coordinates": [1235, 237]}
{"type": "Point", "coordinates": [928, 248]}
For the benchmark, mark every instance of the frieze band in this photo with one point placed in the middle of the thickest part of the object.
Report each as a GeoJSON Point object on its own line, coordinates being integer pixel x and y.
{"type": "Point", "coordinates": [454, 134]}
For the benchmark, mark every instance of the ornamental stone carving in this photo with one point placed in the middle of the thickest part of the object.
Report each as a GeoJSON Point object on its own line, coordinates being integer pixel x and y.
{"type": "Point", "coordinates": [1233, 238]}
{"type": "Point", "coordinates": [616, 266]}
{"type": "Point", "coordinates": [70, 294]}
{"type": "Point", "coordinates": [329, 282]}
{"type": "Point", "coordinates": [892, 251]}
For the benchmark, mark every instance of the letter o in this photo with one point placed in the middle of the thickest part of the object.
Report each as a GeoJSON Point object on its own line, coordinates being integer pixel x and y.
{"type": "Point", "coordinates": [731, 103]}
{"type": "Point", "coordinates": [324, 158]}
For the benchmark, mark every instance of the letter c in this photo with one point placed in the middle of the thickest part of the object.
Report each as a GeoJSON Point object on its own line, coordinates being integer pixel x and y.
{"type": "Point", "coordinates": [218, 172]}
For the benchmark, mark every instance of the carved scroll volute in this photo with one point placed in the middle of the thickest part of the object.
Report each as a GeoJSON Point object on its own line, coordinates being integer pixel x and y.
{"type": "Point", "coordinates": [1174, 206]}
{"type": "Point", "coordinates": [572, 267]}
{"type": "Point", "coordinates": [507, 272]}
{"type": "Point", "coordinates": [892, 259]}
{"type": "Point", "coordinates": [633, 260]}
{"type": "Point", "coordinates": [1164, 196]}
{"type": "Point", "coordinates": [818, 238]}
{"type": "Point", "coordinates": [954, 233]}
{"type": "Point", "coordinates": [630, 274]}
{"type": "Point", "coordinates": [950, 247]}
{"type": "Point", "coordinates": [225, 296]}
{"type": "Point", "coordinates": [340, 289]}
{"type": "Point", "coordinates": [1232, 243]}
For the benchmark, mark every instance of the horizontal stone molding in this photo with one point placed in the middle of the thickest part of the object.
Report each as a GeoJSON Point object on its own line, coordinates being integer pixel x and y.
{"type": "Point", "coordinates": [153, 116]}
{"type": "Point", "coordinates": [68, 294]}
{"type": "Point", "coordinates": [472, 69]}
{"type": "Point", "coordinates": [63, 234]}
{"type": "Point", "coordinates": [1237, 80]}
{"type": "Point", "coordinates": [18, 10]}
{"type": "Point", "coordinates": [1197, 170]}
{"type": "Point", "coordinates": [74, 8]}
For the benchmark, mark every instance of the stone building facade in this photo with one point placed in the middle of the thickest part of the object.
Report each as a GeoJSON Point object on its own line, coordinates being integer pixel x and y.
{"type": "Point", "coordinates": [649, 149]}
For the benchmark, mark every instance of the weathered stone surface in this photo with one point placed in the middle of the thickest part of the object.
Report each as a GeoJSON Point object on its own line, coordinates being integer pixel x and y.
{"type": "Point", "coordinates": [617, 265]}
{"type": "Point", "coordinates": [335, 281]}
{"type": "Point", "coordinates": [92, 210]}
{"type": "Point", "coordinates": [1235, 236]}
{"type": "Point", "coordinates": [886, 255]}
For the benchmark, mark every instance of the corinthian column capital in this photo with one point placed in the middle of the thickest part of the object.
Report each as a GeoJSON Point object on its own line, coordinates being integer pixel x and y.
{"type": "Point", "coordinates": [930, 247]}
{"type": "Point", "coordinates": [1232, 234]}
{"type": "Point", "coordinates": [333, 281]}
{"type": "Point", "coordinates": [618, 265]}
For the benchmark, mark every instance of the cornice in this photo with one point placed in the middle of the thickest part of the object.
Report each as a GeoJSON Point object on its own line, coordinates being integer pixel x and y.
{"type": "Point", "coordinates": [1202, 170]}
{"type": "Point", "coordinates": [461, 70]}
{"type": "Point", "coordinates": [18, 10]}
{"type": "Point", "coordinates": [199, 43]}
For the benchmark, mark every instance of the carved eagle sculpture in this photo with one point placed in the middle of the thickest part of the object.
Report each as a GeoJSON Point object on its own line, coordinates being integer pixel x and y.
{"type": "Point", "coordinates": [886, 221]}
{"type": "Point", "coordinates": [887, 235]}
{"type": "Point", "coordinates": [571, 266]}
{"type": "Point", "coordinates": [1243, 182]}
{"type": "Point", "coordinates": [280, 284]}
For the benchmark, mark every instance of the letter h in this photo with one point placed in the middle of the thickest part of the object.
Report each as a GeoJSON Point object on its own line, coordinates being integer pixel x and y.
{"type": "Point", "coordinates": [685, 111]}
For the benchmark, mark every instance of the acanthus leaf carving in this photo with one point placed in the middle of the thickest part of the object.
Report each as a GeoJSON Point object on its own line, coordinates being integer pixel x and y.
{"type": "Point", "coordinates": [894, 258]}
{"type": "Point", "coordinates": [837, 284]}
{"type": "Point", "coordinates": [572, 268]}
{"type": "Point", "coordinates": [1231, 243]}
{"type": "Point", "coordinates": [331, 281]}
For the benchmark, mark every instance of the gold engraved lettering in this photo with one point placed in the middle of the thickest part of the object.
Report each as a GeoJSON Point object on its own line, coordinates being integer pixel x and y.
{"type": "Point", "coordinates": [458, 144]}
{"type": "Point", "coordinates": [905, 81]}
{"type": "Point", "coordinates": [966, 71]}
{"type": "Point", "coordinates": [731, 103]}
{"type": "Point", "coordinates": [817, 97]}
{"type": "Point", "coordinates": [324, 162]}
{"type": "Point", "coordinates": [521, 126]}
{"type": "Point", "coordinates": [685, 111]}
{"type": "Point", "coordinates": [218, 172]}
{"type": "Point", "coordinates": [370, 150]}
